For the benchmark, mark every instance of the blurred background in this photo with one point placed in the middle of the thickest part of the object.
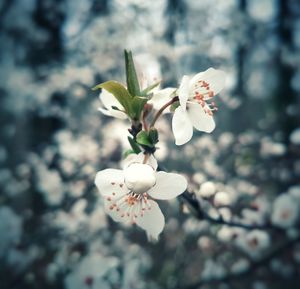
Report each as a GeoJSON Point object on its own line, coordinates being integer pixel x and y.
{"type": "Point", "coordinates": [53, 230]}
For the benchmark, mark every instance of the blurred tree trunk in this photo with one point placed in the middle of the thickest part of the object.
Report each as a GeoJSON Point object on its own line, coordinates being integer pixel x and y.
{"type": "Point", "coordinates": [241, 52]}
{"type": "Point", "coordinates": [285, 96]}
{"type": "Point", "coordinates": [176, 13]}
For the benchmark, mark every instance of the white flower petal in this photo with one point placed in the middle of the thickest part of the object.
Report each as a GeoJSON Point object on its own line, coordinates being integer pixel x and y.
{"type": "Point", "coordinates": [109, 100]}
{"type": "Point", "coordinates": [153, 220]}
{"type": "Point", "coordinates": [110, 182]}
{"type": "Point", "coordinates": [215, 78]}
{"type": "Point", "coordinates": [181, 126]}
{"type": "Point", "coordinates": [161, 97]}
{"type": "Point", "coordinates": [113, 112]}
{"type": "Point", "coordinates": [139, 158]}
{"type": "Point", "coordinates": [104, 111]}
{"type": "Point", "coordinates": [113, 213]}
{"type": "Point", "coordinates": [168, 186]}
{"type": "Point", "coordinates": [118, 114]}
{"type": "Point", "coordinates": [201, 120]}
{"type": "Point", "coordinates": [183, 91]}
{"type": "Point", "coordinates": [128, 160]}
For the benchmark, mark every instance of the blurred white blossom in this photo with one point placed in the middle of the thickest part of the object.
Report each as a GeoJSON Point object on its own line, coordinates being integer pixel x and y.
{"type": "Point", "coordinates": [295, 136]}
{"type": "Point", "coordinates": [253, 242]}
{"type": "Point", "coordinates": [90, 272]}
{"type": "Point", "coordinates": [207, 189]}
{"type": "Point", "coordinates": [285, 211]}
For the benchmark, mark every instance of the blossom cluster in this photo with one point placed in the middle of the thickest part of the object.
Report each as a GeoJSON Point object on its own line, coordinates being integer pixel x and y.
{"type": "Point", "coordinates": [130, 193]}
{"type": "Point", "coordinates": [54, 231]}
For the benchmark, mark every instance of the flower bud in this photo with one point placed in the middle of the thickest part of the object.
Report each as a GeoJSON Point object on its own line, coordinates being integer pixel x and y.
{"type": "Point", "coordinates": [222, 199]}
{"type": "Point", "coordinates": [207, 189]}
{"type": "Point", "coordinates": [139, 178]}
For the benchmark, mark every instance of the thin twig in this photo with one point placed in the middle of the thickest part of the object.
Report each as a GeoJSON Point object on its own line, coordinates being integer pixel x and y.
{"type": "Point", "coordinates": [144, 122]}
{"type": "Point", "coordinates": [158, 114]}
{"type": "Point", "coordinates": [202, 215]}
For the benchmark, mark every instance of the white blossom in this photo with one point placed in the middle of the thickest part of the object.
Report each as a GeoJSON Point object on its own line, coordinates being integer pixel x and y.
{"type": "Point", "coordinates": [225, 213]}
{"type": "Point", "coordinates": [285, 211]}
{"type": "Point", "coordinates": [50, 185]}
{"type": "Point", "coordinates": [195, 108]}
{"type": "Point", "coordinates": [90, 273]}
{"type": "Point", "coordinates": [222, 199]}
{"type": "Point", "coordinates": [225, 234]}
{"type": "Point", "coordinates": [295, 136]}
{"type": "Point", "coordinates": [130, 193]}
{"type": "Point", "coordinates": [254, 242]}
{"type": "Point", "coordinates": [213, 270]}
{"type": "Point", "coordinates": [240, 266]}
{"type": "Point", "coordinates": [207, 189]}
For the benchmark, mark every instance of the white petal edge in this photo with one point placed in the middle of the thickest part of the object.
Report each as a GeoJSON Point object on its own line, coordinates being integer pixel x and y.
{"type": "Point", "coordinates": [214, 77]}
{"type": "Point", "coordinates": [153, 221]}
{"type": "Point", "coordinates": [183, 91]}
{"type": "Point", "coordinates": [113, 113]}
{"type": "Point", "coordinates": [201, 120]}
{"type": "Point", "coordinates": [118, 114]}
{"type": "Point", "coordinates": [168, 186]}
{"type": "Point", "coordinates": [161, 97]}
{"type": "Point", "coordinates": [181, 126]}
{"type": "Point", "coordinates": [111, 181]}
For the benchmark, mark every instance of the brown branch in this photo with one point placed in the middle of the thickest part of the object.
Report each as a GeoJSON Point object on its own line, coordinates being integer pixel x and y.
{"type": "Point", "coordinates": [193, 203]}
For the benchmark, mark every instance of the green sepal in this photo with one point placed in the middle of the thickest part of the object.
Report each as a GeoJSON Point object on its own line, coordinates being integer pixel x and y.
{"type": "Point", "coordinates": [119, 92]}
{"type": "Point", "coordinates": [153, 136]}
{"type": "Point", "coordinates": [137, 106]}
{"type": "Point", "coordinates": [142, 138]}
{"type": "Point", "coordinates": [127, 153]}
{"type": "Point", "coordinates": [174, 106]}
{"type": "Point", "coordinates": [135, 147]}
{"type": "Point", "coordinates": [147, 90]}
{"type": "Point", "coordinates": [131, 76]}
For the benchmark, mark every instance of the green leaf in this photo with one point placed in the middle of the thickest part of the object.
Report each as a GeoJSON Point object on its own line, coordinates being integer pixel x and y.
{"type": "Point", "coordinates": [127, 153]}
{"type": "Point", "coordinates": [137, 106]}
{"type": "Point", "coordinates": [135, 147]}
{"type": "Point", "coordinates": [153, 135]}
{"type": "Point", "coordinates": [146, 91]}
{"type": "Point", "coordinates": [131, 77]}
{"type": "Point", "coordinates": [119, 92]}
{"type": "Point", "coordinates": [143, 139]}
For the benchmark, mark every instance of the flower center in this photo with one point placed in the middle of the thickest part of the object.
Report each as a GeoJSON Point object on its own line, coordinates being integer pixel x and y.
{"type": "Point", "coordinates": [285, 215]}
{"type": "Point", "coordinates": [131, 205]}
{"type": "Point", "coordinates": [139, 178]}
{"type": "Point", "coordinates": [89, 281]}
{"type": "Point", "coordinates": [201, 94]}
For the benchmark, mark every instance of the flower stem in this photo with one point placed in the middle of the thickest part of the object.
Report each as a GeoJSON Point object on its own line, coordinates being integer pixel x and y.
{"type": "Point", "coordinates": [158, 114]}
{"type": "Point", "coordinates": [145, 125]}
{"type": "Point", "coordinates": [146, 157]}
